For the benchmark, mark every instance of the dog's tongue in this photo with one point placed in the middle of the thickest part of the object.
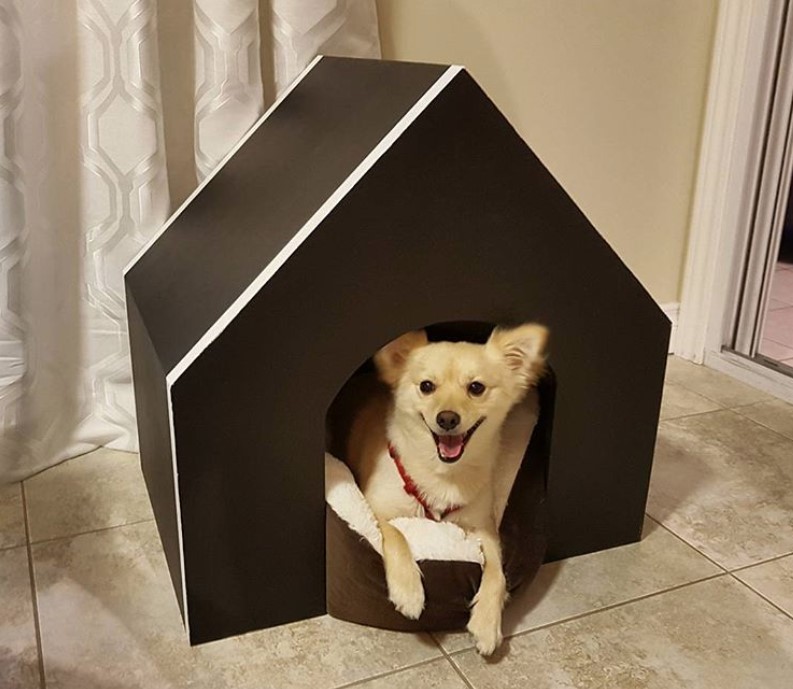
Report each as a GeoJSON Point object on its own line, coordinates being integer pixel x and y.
{"type": "Point", "coordinates": [450, 445]}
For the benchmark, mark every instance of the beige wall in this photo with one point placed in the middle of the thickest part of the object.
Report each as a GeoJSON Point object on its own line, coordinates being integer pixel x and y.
{"type": "Point", "coordinates": [609, 94]}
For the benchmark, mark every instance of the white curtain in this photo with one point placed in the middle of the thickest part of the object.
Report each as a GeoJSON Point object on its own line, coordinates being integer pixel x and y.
{"type": "Point", "coordinates": [111, 110]}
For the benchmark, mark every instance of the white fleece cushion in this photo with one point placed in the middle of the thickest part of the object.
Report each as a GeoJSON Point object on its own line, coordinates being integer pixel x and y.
{"type": "Point", "coordinates": [431, 540]}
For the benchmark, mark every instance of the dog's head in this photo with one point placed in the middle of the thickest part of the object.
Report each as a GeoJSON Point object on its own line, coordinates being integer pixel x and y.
{"type": "Point", "coordinates": [457, 394]}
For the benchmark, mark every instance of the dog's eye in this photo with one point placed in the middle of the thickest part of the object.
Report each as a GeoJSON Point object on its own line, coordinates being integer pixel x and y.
{"type": "Point", "coordinates": [427, 387]}
{"type": "Point", "coordinates": [476, 388]}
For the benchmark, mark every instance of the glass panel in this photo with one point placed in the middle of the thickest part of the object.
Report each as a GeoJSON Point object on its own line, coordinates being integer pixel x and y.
{"type": "Point", "coordinates": [776, 342]}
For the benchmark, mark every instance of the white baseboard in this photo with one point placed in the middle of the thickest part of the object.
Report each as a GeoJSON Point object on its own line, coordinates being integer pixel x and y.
{"type": "Point", "coordinates": [672, 311]}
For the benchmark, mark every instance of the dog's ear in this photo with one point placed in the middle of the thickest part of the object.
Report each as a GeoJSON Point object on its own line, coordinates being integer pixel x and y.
{"type": "Point", "coordinates": [390, 360]}
{"type": "Point", "coordinates": [523, 349]}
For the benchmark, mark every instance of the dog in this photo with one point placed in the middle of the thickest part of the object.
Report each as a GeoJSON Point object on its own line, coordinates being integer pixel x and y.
{"type": "Point", "coordinates": [428, 446]}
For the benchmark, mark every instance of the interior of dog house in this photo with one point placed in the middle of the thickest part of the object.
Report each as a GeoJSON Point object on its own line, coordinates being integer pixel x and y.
{"type": "Point", "coordinates": [373, 199]}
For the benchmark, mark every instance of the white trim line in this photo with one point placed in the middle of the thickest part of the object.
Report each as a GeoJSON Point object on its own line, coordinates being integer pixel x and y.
{"type": "Point", "coordinates": [671, 310]}
{"type": "Point", "coordinates": [322, 212]}
{"type": "Point", "coordinates": [221, 164]}
{"type": "Point", "coordinates": [178, 505]}
{"type": "Point", "coordinates": [130, 265]}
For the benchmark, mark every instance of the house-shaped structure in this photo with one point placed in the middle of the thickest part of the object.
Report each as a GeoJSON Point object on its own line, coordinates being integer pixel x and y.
{"type": "Point", "coordinates": [373, 199]}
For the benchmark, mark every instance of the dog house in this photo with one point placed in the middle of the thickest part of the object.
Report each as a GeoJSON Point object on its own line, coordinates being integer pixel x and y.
{"type": "Point", "coordinates": [373, 199]}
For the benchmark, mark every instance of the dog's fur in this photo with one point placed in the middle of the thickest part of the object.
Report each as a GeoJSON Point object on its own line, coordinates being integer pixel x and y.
{"type": "Point", "coordinates": [507, 365]}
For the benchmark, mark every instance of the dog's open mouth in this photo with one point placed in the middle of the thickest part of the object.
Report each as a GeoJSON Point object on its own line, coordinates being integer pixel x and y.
{"type": "Point", "coordinates": [451, 447]}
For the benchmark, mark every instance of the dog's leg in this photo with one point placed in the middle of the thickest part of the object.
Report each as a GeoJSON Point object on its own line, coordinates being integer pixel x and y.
{"type": "Point", "coordinates": [402, 574]}
{"type": "Point", "coordinates": [485, 621]}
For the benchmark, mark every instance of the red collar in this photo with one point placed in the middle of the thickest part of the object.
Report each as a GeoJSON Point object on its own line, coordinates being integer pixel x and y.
{"type": "Point", "coordinates": [412, 489]}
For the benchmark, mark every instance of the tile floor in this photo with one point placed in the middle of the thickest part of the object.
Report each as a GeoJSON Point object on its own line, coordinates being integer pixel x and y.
{"type": "Point", "coordinates": [777, 341]}
{"type": "Point", "coordinates": [704, 601]}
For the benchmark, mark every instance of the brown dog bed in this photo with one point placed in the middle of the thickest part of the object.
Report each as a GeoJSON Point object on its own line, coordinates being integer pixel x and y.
{"type": "Point", "coordinates": [450, 560]}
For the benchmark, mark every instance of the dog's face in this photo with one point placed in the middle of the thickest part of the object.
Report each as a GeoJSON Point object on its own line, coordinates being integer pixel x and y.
{"type": "Point", "coordinates": [456, 395]}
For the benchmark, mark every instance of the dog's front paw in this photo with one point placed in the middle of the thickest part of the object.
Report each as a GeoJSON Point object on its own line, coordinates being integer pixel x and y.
{"type": "Point", "coordinates": [485, 626]}
{"type": "Point", "coordinates": [406, 591]}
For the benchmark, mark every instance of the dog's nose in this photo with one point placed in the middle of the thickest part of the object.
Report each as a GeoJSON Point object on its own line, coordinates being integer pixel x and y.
{"type": "Point", "coordinates": [448, 420]}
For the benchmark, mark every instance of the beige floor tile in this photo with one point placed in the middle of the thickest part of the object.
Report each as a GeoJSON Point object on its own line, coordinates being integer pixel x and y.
{"type": "Point", "coordinates": [712, 635]}
{"type": "Point", "coordinates": [776, 415]}
{"type": "Point", "coordinates": [774, 580]}
{"type": "Point", "coordinates": [319, 653]}
{"type": "Point", "coordinates": [679, 401]}
{"type": "Point", "coordinates": [19, 659]}
{"type": "Point", "coordinates": [12, 516]}
{"type": "Point", "coordinates": [109, 619]}
{"type": "Point", "coordinates": [724, 484]}
{"type": "Point", "coordinates": [101, 489]}
{"type": "Point", "coordinates": [714, 385]}
{"type": "Point", "coordinates": [583, 584]}
{"type": "Point", "coordinates": [438, 674]}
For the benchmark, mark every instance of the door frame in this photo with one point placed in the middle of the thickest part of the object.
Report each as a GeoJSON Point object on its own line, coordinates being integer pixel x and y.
{"type": "Point", "coordinates": [731, 154]}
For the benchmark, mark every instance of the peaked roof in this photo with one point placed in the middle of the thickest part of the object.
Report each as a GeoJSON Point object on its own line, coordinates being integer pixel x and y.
{"type": "Point", "coordinates": [219, 242]}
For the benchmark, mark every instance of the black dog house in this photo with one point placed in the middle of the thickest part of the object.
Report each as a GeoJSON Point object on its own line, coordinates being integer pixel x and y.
{"type": "Point", "coordinates": [375, 198]}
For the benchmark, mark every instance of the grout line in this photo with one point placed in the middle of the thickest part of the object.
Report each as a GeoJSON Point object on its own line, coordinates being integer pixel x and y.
{"type": "Point", "coordinates": [763, 596]}
{"type": "Point", "coordinates": [563, 620]}
{"type": "Point", "coordinates": [12, 546]}
{"type": "Point", "coordinates": [732, 572]}
{"type": "Point", "coordinates": [738, 411]}
{"type": "Point", "coordinates": [690, 545]}
{"type": "Point", "coordinates": [695, 413]}
{"type": "Point", "coordinates": [724, 572]}
{"type": "Point", "coordinates": [605, 608]}
{"type": "Point", "coordinates": [761, 562]}
{"type": "Point", "coordinates": [33, 593]}
{"type": "Point", "coordinates": [92, 531]}
{"type": "Point", "coordinates": [777, 433]}
{"type": "Point", "coordinates": [388, 673]}
{"type": "Point", "coordinates": [449, 659]}
{"type": "Point", "coordinates": [733, 410]}
{"type": "Point", "coordinates": [66, 460]}
{"type": "Point", "coordinates": [721, 405]}
{"type": "Point", "coordinates": [710, 399]}
{"type": "Point", "coordinates": [459, 671]}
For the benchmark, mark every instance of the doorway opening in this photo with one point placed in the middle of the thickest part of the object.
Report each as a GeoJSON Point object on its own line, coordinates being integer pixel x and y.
{"type": "Point", "coordinates": [451, 571]}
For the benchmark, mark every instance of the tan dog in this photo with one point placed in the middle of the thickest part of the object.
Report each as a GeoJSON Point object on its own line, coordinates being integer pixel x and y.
{"type": "Point", "coordinates": [430, 447]}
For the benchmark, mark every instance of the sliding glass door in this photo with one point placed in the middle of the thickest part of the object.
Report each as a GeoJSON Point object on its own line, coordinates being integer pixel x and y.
{"type": "Point", "coordinates": [763, 324]}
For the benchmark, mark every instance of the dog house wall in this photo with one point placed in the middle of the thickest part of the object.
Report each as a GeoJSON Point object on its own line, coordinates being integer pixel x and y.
{"type": "Point", "coordinates": [454, 220]}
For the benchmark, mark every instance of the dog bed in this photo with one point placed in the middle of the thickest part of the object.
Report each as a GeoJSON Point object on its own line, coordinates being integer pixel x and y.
{"type": "Point", "coordinates": [450, 560]}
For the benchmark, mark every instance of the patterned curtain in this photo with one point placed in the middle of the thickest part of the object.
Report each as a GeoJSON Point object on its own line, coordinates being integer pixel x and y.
{"type": "Point", "coordinates": [111, 112]}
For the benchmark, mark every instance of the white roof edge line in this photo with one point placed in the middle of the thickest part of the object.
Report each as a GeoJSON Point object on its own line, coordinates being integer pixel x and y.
{"type": "Point", "coordinates": [305, 231]}
{"type": "Point", "coordinates": [178, 509]}
{"type": "Point", "coordinates": [200, 187]}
